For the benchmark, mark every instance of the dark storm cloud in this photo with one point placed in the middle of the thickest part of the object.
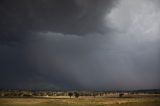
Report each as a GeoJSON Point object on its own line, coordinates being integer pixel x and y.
{"type": "Point", "coordinates": [79, 44]}
{"type": "Point", "coordinates": [22, 21]}
{"type": "Point", "coordinates": [73, 16]}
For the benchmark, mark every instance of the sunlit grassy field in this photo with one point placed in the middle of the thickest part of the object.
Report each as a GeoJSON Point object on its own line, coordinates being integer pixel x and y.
{"type": "Point", "coordinates": [83, 101]}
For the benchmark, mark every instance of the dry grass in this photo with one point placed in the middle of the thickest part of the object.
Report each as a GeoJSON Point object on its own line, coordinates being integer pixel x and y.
{"type": "Point", "coordinates": [139, 100]}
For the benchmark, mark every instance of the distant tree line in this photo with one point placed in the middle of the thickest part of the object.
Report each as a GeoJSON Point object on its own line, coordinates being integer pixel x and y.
{"type": "Point", "coordinates": [75, 94]}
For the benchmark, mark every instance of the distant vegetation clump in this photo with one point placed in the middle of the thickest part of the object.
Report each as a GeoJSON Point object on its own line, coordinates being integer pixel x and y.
{"type": "Point", "coordinates": [121, 94]}
{"type": "Point", "coordinates": [70, 94]}
{"type": "Point", "coordinates": [76, 94]}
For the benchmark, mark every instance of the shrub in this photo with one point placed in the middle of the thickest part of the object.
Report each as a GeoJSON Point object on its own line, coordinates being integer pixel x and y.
{"type": "Point", "coordinates": [121, 94]}
{"type": "Point", "coordinates": [76, 94]}
{"type": "Point", "coordinates": [70, 94]}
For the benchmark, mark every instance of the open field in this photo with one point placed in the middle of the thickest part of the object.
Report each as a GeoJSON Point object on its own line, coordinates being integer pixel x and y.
{"type": "Point", "coordinates": [139, 100]}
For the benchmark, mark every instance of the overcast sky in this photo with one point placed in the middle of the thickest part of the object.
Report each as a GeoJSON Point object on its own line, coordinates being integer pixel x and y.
{"type": "Point", "coordinates": [80, 44]}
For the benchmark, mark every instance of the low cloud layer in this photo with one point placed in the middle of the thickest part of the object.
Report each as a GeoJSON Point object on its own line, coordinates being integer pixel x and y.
{"type": "Point", "coordinates": [80, 44]}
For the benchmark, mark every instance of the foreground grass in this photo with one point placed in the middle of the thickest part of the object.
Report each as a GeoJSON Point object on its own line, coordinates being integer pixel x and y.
{"type": "Point", "coordinates": [83, 101]}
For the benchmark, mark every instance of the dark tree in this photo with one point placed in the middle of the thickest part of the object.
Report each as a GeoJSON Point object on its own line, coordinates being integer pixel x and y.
{"type": "Point", "coordinates": [121, 94]}
{"type": "Point", "coordinates": [76, 94]}
{"type": "Point", "coordinates": [70, 94]}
